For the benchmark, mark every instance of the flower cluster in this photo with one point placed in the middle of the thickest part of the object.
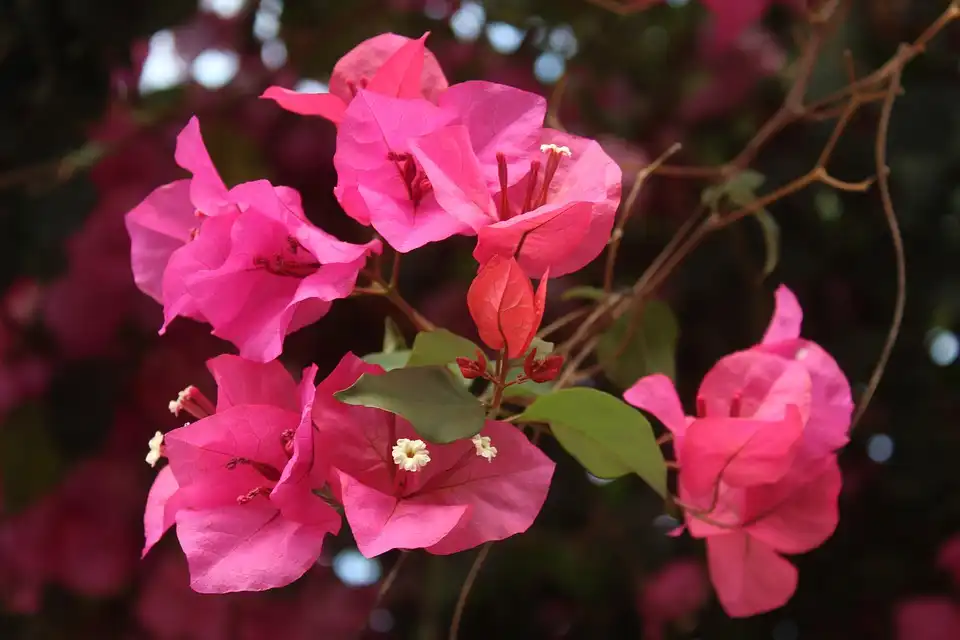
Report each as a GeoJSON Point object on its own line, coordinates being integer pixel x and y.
{"type": "Point", "coordinates": [414, 456]}
{"type": "Point", "coordinates": [758, 466]}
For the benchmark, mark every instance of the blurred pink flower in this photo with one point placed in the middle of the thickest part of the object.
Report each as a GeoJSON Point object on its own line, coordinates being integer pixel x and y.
{"type": "Point", "coordinates": [672, 595]}
{"type": "Point", "coordinates": [927, 618]}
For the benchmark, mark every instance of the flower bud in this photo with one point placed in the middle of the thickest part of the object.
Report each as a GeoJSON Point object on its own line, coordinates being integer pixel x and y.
{"type": "Point", "coordinates": [542, 369]}
{"type": "Point", "coordinates": [473, 368]}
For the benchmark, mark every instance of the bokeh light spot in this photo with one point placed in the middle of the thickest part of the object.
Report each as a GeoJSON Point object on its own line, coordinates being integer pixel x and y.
{"type": "Point", "coordinates": [309, 85]}
{"type": "Point", "coordinates": [549, 67]}
{"type": "Point", "coordinates": [880, 447]}
{"type": "Point", "coordinates": [381, 620]}
{"type": "Point", "coordinates": [164, 68]}
{"type": "Point", "coordinates": [354, 570]}
{"type": "Point", "coordinates": [273, 54]}
{"type": "Point", "coordinates": [944, 347]}
{"type": "Point", "coordinates": [215, 68]}
{"type": "Point", "coordinates": [222, 8]}
{"type": "Point", "coordinates": [563, 40]}
{"type": "Point", "coordinates": [467, 22]}
{"type": "Point", "coordinates": [504, 37]}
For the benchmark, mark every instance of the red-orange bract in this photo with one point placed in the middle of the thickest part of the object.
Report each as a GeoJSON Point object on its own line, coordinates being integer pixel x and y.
{"type": "Point", "coordinates": [504, 306]}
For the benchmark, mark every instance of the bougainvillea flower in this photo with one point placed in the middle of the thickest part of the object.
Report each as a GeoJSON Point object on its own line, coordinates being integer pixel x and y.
{"type": "Point", "coordinates": [560, 218]}
{"type": "Point", "coordinates": [505, 307]}
{"type": "Point", "coordinates": [260, 274]}
{"type": "Point", "coordinates": [389, 64]}
{"type": "Point", "coordinates": [927, 618]}
{"type": "Point", "coordinates": [460, 495]}
{"type": "Point", "coordinates": [172, 214]}
{"type": "Point", "coordinates": [730, 19]}
{"type": "Point", "coordinates": [567, 219]}
{"type": "Point", "coordinates": [744, 484]}
{"type": "Point", "coordinates": [379, 182]}
{"type": "Point", "coordinates": [674, 594]}
{"type": "Point", "coordinates": [831, 405]}
{"type": "Point", "coordinates": [244, 504]}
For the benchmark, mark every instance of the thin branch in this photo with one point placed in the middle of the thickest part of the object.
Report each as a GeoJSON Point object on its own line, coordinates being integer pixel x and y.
{"type": "Point", "coordinates": [391, 578]}
{"type": "Point", "coordinates": [465, 590]}
{"type": "Point", "coordinates": [390, 293]}
{"type": "Point", "coordinates": [617, 235]}
{"type": "Point", "coordinates": [553, 106]}
{"type": "Point", "coordinates": [890, 215]}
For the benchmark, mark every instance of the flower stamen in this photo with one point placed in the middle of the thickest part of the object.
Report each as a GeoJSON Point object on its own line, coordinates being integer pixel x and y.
{"type": "Point", "coordinates": [156, 449]}
{"type": "Point", "coordinates": [193, 402]}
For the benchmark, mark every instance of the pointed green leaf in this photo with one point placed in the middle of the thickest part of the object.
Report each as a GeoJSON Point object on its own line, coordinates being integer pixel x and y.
{"type": "Point", "coordinates": [632, 348]}
{"type": "Point", "coordinates": [389, 361]}
{"type": "Point", "coordinates": [437, 406]}
{"type": "Point", "coordinates": [440, 347]}
{"type": "Point", "coordinates": [771, 240]}
{"type": "Point", "coordinates": [393, 339]}
{"type": "Point", "coordinates": [607, 436]}
{"type": "Point", "coordinates": [741, 190]}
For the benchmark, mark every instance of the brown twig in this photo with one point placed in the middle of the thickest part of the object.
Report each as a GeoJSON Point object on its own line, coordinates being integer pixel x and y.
{"type": "Point", "coordinates": [384, 289]}
{"type": "Point", "coordinates": [465, 590]}
{"type": "Point", "coordinates": [890, 215]}
{"type": "Point", "coordinates": [391, 578]}
{"type": "Point", "coordinates": [552, 118]}
{"type": "Point", "coordinates": [617, 236]}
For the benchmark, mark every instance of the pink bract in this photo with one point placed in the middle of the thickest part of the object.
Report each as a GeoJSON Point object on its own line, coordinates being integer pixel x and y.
{"type": "Point", "coordinates": [485, 170]}
{"type": "Point", "coordinates": [388, 63]}
{"type": "Point", "coordinates": [752, 488]}
{"type": "Point", "coordinates": [831, 405]}
{"type": "Point", "coordinates": [457, 501]}
{"type": "Point", "coordinates": [250, 264]}
{"type": "Point", "coordinates": [240, 483]}
{"type": "Point", "coordinates": [505, 307]}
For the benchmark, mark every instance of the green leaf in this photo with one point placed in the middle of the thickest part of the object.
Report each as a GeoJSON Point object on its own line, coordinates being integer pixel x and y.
{"type": "Point", "coordinates": [393, 339]}
{"type": "Point", "coordinates": [741, 190]}
{"type": "Point", "coordinates": [583, 293]}
{"type": "Point", "coordinates": [389, 361]}
{"type": "Point", "coordinates": [437, 406]}
{"type": "Point", "coordinates": [632, 348]}
{"type": "Point", "coordinates": [440, 347]}
{"type": "Point", "coordinates": [771, 240]}
{"type": "Point", "coordinates": [30, 463]}
{"type": "Point", "coordinates": [607, 436]}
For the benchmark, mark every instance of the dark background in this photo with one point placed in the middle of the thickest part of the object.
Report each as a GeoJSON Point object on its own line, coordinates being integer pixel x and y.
{"type": "Point", "coordinates": [87, 130]}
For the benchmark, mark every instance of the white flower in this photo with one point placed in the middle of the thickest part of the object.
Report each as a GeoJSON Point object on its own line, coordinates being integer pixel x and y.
{"type": "Point", "coordinates": [484, 448]}
{"type": "Point", "coordinates": [553, 148]}
{"type": "Point", "coordinates": [156, 449]}
{"type": "Point", "coordinates": [411, 455]}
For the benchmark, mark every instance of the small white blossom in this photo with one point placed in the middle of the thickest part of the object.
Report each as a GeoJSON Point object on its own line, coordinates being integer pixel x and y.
{"type": "Point", "coordinates": [411, 455]}
{"type": "Point", "coordinates": [548, 148]}
{"type": "Point", "coordinates": [156, 449]}
{"type": "Point", "coordinates": [484, 448]}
